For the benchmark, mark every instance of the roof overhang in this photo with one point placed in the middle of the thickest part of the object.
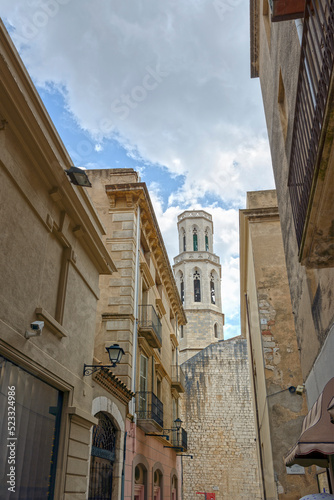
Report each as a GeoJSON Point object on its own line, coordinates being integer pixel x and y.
{"type": "Point", "coordinates": [316, 442]}
{"type": "Point", "coordinates": [285, 10]}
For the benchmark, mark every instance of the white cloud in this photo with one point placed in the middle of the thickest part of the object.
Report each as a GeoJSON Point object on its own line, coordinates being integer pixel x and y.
{"type": "Point", "coordinates": [226, 246]}
{"type": "Point", "coordinates": [170, 82]}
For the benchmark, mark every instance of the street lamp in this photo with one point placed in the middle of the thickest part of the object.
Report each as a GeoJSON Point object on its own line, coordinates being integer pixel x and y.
{"type": "Point", "coordinates": [178, 423]}
{"type": "Point", "coordinates": [78, 177]}
{"type": "Point", "coordinates": [115, 353]}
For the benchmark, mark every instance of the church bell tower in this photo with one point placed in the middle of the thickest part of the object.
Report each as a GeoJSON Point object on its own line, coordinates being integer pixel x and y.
{"type": "Point", "coordinates": [198, 276]}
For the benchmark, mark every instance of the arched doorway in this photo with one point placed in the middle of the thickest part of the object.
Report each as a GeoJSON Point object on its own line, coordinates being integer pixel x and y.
{"type": "Point", "coordinates": [102, 458]}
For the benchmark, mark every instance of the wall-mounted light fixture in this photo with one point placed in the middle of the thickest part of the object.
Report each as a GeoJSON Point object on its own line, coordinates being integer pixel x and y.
{"type": "Point", "coordinates": [177, 422]}
{"type": "Point", "coordinates": [115, 353]}
{"type": "Point", "coordinates": [78, 177]}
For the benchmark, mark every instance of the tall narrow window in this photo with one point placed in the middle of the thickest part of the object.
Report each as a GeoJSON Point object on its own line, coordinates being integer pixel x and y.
{"type": "Point", "coordinates": [184, 241]}
{"type": "Point", "coordinates": [143, 385]}
{"type": "Point", "coordinates": [195, 240]}
{"type": "Point", "coordinates": [197, 287]}
{"type": "Point", "coordinates": [212, 289]}
{"type": "Point", "coordinates": [182, 288]}
{"type": "Point", "coordinates": [181, 332]}
{"type": "Point", "coordinates": [215, 328]}
{"type": "Point", "coordinates": [206, 241]}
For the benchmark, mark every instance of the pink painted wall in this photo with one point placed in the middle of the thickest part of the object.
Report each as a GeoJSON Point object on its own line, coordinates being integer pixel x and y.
{"type": "Point", "coordinates": [154, 452]}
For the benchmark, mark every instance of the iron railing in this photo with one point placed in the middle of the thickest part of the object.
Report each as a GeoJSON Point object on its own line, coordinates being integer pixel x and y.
{"type": "Point", "coordinates": [148, 318]}
{"type": "Point", "coordinates": [179, 439]}
{"type": "Point", "coordinates": [149, 407]}
{"type": "Point", "coordinates": [315, 72]}
{"type": "Point", "coordinates": [178, 376]}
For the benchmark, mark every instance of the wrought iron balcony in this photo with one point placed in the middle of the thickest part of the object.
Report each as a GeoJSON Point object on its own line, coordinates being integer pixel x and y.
{"type": "Point", "coordinates": [179, 439]}
{"type": "Point", "coordinates": [149, 410]}
{"type": "Point", "coordinates": [311, 167]}
{"type": "Point", "coordinates": [178, 378]}
{"type": "Point", "coordinates": [149, 325]}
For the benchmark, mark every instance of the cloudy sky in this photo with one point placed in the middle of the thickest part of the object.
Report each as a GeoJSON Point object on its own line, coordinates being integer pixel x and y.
{"type": "Point", "coordinates": [161, 87]}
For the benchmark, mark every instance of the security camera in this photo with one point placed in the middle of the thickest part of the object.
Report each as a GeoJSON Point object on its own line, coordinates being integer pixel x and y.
{"type": "Point", "coordinates": [300, 389]}
{"type": "Point", "coordinates": [36, 327]}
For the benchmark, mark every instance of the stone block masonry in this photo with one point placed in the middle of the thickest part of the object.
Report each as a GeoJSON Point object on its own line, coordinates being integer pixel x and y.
{"type": "Point", "coordinates": [218, 415]}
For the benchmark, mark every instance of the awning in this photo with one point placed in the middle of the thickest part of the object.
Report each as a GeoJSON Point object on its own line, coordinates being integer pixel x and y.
{"type": "Point", "coordinates": [316, 441]}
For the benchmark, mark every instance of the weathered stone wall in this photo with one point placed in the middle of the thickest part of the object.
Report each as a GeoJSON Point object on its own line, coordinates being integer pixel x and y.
{"type": "Point", "coordinates": [199, 332]}
{"type": "Point", "coordinates": [218, 416]}
{"type": "Point", "coordinates": [268, 324]}
{"type": "Point", "coordinates": [311, 289]}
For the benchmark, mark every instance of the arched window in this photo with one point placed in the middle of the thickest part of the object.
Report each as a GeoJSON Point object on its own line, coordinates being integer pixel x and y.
{"type": "Point", "coordinates": [215, 329]}
{"type": "Point", "coordinates": [212, 289]}
{"type": "Point", "coordinates": [182, 287]}
{"type": "Point", "coordinates": [140, 486]}
{"type": "Point", "coordinates": [158, 485]}
{"type": "Point", "coordinates": [102, 459]}
{"type": "Point", "coordinates": [174, 488]}
{"type": "Point", "coordinates": [206, 240]}
{"type": "Point", "coordinates": [197, 287]}
{"type": "Point", "coordinates": [195, 240]}
{"type": "Point", "coordinates": [184, 240]}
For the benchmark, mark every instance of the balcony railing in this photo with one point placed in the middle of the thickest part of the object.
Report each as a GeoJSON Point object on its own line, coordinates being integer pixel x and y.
{"type": "Point", "coordinates": [179, 439]}
{"type": "Point", "coordinates": [149, 409]}
{"type": "Point", "coordinates": [178, 378]}
{"type": "Point", "coordinates": [315, 72]}
{"type": "Point", "coordinates": [149, 325]}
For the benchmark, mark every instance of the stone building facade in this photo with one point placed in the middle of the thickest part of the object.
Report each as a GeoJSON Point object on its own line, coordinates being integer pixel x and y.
{"type": "Point", "coordinates": [216, 406]}
{"type": "Point", "coordinates": [139, 309]}
{"type": "Point", "coordinates": [218, 416]}
{"type": "Point", "coordinates": [198, 277]}
{"type": "Point", "coordinates": [267, 323]}
{"type": "Point", "coordinates": [292, 54]}
{"type": "Point", "coordinates": [52, 254]}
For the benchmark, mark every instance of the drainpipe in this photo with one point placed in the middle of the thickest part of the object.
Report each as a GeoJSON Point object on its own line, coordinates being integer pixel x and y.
{"type": "Point", "coordinates": [255, 398]}
{"type": "Point", "coordinates": [135, 312]}
{"type": "Point", "coordinates": [123, 470]}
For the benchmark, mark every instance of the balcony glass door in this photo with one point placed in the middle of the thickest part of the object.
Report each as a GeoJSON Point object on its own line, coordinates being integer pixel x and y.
{"type": "Point", "coordinates": [143, 384]}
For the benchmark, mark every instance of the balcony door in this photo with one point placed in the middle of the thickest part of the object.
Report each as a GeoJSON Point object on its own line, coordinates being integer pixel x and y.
{"type": "Point", "coordinates": [143, 384]}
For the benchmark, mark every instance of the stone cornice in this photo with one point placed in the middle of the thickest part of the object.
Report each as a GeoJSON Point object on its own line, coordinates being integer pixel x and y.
{"type": "Point", "coordinates": [193, 214]}
{"type": "Point", "coordinates": [106, 379]}
{"type": "Point", "coordinates": [137, 194]}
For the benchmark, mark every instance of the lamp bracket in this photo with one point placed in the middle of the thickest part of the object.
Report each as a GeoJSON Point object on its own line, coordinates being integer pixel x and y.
{"type": "Point", "coordinates": [90, 369]}
{"type": "Point", "coordinates": [157, 435]}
